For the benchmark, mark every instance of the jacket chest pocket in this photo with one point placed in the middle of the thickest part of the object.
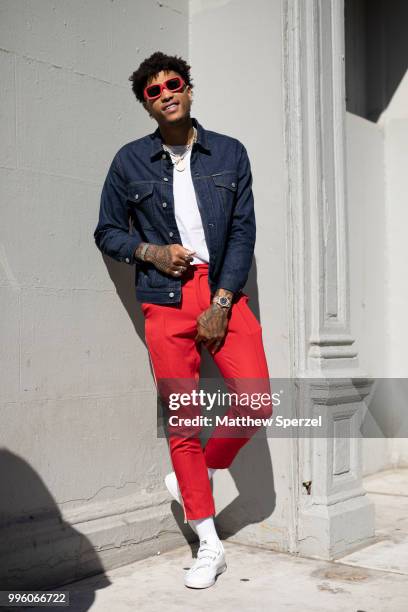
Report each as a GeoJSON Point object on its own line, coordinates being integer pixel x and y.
{"type": "Point", "coordinates": [226, 187]}
{"type": "Point", "coordinates": [141, 202]}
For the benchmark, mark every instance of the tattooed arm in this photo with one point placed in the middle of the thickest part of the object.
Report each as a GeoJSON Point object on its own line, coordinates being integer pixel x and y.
{"type": "Point", "coordinates": [169, 258]}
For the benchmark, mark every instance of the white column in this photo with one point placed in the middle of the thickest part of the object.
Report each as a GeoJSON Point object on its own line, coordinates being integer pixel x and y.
{"type": "Point", "coordinates": [334, 514]}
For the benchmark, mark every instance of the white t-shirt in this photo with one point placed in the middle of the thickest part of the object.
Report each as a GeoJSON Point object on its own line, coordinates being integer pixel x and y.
{"type": "Point", "coordinates": [186, 210]}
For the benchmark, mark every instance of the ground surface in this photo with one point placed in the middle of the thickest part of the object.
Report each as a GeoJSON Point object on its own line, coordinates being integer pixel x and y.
{"type": "Point", "coordinates": [374, 579]}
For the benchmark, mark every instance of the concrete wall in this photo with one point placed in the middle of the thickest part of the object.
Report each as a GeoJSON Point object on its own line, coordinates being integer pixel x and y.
{"type": "Point", "coordinates": [377, 155]}
{"type": "Point", "coordinates": [78, 408]}
{"type": "Point", "coordinates": [236, 53]}
{"type": "Point", "coordinates": [366, 217]}
{"type": "Point", "coordinates": [394, 121]}
{"type": "Point", "coordinates": [78, 397]}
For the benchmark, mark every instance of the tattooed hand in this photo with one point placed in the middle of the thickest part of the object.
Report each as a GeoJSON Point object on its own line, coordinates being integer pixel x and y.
{"type": "Point", "coordinates": [212, 323]}
{"type": "Point", "coordinates": [211, 326]}
{"type": "Point", "coordinates": [171, 259]}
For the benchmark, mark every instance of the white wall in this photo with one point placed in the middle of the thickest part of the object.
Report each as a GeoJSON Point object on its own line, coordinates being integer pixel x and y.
{"type": "Point", "coordinates": [377, 155]}
{"type": "Point", "coordinates": [77, 395]}
{"type": "Point", "coordinates": [236, 52]}
{"type": "Point", "coordinates": [368, 269]}
{"type": "Point", "coordinates": [78, 409]}
{"type": "Point", "coordinates": [366, 217]}
{"type": "Point", "coordinates": [394, 121]}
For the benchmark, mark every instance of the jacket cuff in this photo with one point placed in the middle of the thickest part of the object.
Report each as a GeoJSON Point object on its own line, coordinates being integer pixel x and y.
{"type": "Point", "coordinates": [228, 282]}
{"type": "Point", "coordinates": [130, 249]}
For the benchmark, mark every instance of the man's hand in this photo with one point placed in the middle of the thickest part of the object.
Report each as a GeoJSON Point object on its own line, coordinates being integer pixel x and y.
{"type": "Point", "coordinates": [171, 259]}
{"type": "Point", "coordinates": [211, 326]}
{"type": "Point", "coordinates": [212, 323]}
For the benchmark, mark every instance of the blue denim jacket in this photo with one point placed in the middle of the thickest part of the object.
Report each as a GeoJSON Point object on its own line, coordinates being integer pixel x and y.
{"type": "Point", "coordinates": [137, 205]}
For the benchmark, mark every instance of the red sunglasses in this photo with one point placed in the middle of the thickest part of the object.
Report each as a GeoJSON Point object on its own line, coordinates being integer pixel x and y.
{"type": "Point", "coordinates": [152, 92]}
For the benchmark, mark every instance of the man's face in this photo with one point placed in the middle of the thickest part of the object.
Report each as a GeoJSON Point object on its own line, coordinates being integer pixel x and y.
{"type": "Point", "coordinates": [170, 107]}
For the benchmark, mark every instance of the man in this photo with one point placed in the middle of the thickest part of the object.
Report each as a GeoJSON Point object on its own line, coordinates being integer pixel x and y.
{"type": "Point", "coordinates": [187, 193]}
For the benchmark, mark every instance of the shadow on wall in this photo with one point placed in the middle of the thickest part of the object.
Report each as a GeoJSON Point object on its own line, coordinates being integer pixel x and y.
{"type": "Point", "coordinates": [38, 549]}
{"type": "Point", "coordinates": [376, 54]}
{"type": "Point", "coordinates": [256, 497]}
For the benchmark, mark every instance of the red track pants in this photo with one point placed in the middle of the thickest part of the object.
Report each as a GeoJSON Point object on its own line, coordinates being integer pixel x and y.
{"type": "Point", "coordinates": [170, 331]}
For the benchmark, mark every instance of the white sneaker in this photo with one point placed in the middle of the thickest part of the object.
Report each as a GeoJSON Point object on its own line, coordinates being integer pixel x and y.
{"type": "Point", "coordinates": [209, 563]}
{"type": "Point", "coordinates": [174, 490]}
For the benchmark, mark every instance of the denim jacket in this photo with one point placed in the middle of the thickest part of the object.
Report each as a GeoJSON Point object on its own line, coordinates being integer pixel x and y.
{"type": "Point", "coordinates": [137, 205]}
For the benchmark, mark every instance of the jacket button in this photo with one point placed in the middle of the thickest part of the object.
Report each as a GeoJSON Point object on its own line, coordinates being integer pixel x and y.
{"type": "Point", "coordinates": [232, 184]}
{"type": "Point", "coordinates": [164, 204]}
{"type": "Point", "coordinates": [165, 178]}
{"type": "Point", "coordinates": [164, 156]}
{"type": "Point", "coordinates": [136, 195]}
{"type": "Point", "coordinates": [171, 294]}
{"type": "Point", "coordinates": [127, 259]}
{"type": "Point", "coordinates": [171, 234]}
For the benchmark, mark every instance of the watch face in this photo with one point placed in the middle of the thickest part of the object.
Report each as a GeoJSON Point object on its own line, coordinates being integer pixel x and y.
{"type": "Point", "coordinates": [224, 301]}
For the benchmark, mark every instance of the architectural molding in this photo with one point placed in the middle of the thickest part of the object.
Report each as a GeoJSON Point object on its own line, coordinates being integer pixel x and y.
{"type": "Point", "coordinates": [329, 486]}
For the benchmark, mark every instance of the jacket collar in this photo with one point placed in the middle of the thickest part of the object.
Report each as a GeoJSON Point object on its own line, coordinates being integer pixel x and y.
{"type": "Point", "coordinates": [157, 139]}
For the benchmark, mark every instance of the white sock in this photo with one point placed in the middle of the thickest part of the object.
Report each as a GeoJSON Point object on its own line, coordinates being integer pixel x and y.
{"type": "Point", "coordinates": [211, 472]}
{"type": "Point", "coordinates": [205, 526]}
{"type": "Point", "coordinates": [206, 529]}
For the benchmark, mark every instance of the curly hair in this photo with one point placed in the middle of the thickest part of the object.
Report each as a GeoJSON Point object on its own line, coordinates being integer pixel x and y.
{"type": "Point", "coordinates": [153, 65]}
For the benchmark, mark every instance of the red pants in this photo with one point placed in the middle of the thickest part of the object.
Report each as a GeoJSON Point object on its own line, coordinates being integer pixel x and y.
{"type": "Point", "coordinates": [170, 331]}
